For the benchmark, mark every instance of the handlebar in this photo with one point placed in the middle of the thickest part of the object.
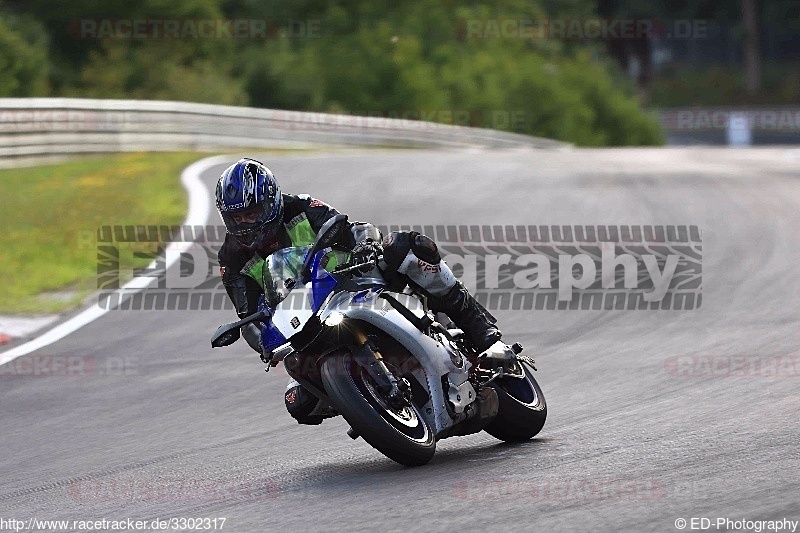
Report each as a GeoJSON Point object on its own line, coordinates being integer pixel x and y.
{"type": "Point", "coordinates": [345, 268]}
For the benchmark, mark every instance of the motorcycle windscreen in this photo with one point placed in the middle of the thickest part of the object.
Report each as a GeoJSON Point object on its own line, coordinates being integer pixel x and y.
{"type": "Point", "coordinates": [322, 283]}
{"type": "Point", "coordinates": [280, 272]}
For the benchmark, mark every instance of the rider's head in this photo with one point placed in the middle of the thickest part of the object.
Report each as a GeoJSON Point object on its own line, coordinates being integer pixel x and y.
{"type": "Point", "coordinates": [249, 202]}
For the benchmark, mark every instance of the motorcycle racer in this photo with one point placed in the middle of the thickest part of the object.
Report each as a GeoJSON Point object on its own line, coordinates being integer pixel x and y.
{"type": "Point", "coordinates": [260, 219]}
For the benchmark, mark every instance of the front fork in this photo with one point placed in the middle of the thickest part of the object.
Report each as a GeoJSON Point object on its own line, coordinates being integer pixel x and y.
{"type": "Point", "coordinates": [397, 390]}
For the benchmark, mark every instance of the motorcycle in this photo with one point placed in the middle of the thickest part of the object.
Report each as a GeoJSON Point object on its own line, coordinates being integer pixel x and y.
{"type": "Point", "coordinates": [379, 358]}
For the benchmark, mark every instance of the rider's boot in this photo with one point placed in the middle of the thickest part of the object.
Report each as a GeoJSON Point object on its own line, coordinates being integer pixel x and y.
{"type": "Point", "coordinates": [469, 315]}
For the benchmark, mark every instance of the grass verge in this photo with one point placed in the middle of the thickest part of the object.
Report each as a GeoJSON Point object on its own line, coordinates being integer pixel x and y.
{"type": "Point", "coordinates": [47, 212]}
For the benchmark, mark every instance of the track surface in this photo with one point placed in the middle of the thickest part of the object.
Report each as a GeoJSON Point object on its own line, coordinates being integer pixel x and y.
{"type": "Point", "coordinates": [628, 446]}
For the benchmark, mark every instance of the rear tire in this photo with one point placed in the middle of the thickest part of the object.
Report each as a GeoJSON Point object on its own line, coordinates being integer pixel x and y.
{"type": "Point", "coordinates": [403, 436]}
{"type": "Point", "coordinates": [523, 409]}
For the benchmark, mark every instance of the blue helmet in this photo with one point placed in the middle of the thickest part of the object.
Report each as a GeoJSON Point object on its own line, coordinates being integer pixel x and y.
{"type": "Point", "coordinates": [249, 201]}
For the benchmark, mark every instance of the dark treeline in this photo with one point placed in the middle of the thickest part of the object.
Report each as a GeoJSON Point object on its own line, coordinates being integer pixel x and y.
{"type": "Point", "coordinates": [470, 62]}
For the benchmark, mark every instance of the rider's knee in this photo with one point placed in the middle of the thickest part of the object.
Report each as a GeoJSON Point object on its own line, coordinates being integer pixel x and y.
{"type": "Point", "coordinates": [301, 403]}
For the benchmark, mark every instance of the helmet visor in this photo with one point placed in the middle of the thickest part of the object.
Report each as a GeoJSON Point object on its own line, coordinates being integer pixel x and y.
{"type": "Point", "coordinates": [251, 224]}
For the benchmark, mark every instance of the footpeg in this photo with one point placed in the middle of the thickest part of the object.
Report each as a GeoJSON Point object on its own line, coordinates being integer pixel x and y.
{"type": "Point", "coordinates": [352, 433]}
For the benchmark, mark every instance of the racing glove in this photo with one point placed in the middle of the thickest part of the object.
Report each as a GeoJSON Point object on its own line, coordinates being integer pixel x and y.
{"type": "Point", "coordinates": [366, 252]}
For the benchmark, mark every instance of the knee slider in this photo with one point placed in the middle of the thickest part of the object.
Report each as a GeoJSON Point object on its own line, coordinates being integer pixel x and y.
{"type": "Point", "coordinates": [299, 403]}
{"type": "Point", "coordinates": [424, 248]}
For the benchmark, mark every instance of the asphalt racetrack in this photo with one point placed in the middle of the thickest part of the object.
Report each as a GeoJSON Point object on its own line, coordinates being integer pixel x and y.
{"type": "Point", "coordinates": [630, 444]}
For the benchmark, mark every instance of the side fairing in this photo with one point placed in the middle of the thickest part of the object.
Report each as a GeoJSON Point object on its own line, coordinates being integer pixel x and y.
{"type": "Point", "coordinates": [271, 338]}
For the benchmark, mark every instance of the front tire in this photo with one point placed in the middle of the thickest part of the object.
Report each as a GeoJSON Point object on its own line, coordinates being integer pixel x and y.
{"type": "Point", "coordinates": [523, 409]}
{"type": "Point", "coordinates": [401, 435]}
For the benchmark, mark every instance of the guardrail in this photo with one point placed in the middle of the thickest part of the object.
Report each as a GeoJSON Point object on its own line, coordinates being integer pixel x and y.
{"type": "Point", "coordinates": [32, 127]}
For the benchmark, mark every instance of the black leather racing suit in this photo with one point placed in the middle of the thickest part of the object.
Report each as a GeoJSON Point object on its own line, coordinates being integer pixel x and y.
{"type": "Point", "coordinates": [244, 291]}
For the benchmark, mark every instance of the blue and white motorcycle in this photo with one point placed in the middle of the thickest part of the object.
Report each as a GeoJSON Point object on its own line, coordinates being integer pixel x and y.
{"type": "Point", "coordinates": [381, 360]}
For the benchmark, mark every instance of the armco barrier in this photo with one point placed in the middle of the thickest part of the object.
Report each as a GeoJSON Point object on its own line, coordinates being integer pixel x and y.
{"type": "Point", "coordinates": [31, 127]}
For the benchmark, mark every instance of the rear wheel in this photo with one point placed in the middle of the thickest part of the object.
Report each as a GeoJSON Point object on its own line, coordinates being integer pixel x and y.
{"type": "Point", "coordinates": [402, 435]}
{"type": "Point", "coordinates": [523, 409]}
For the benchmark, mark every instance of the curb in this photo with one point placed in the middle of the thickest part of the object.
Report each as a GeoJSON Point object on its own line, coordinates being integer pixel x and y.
{"type": "Point", "coordinates": [13, 327]}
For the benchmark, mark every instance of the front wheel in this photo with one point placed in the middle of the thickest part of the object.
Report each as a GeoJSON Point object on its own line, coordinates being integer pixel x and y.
{"type": "Point", "coordinates": [401, 435]}
{"type": "Point", "coordinates": [523, 409]}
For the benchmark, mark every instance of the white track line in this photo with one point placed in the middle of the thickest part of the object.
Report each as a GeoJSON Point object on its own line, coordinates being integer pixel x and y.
{"type": "Point", "coordinates": [199, 202]}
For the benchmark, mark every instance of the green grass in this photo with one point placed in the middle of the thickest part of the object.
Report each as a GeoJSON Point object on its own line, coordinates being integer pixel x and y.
{"type": "Point", "coordinates": [50, 214]}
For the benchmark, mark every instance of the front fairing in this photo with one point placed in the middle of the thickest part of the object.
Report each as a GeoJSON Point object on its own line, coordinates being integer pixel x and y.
{"type": "Point", "coordinates": [271, 338]}
{"type": "Point", "coordinates": [289, 304]}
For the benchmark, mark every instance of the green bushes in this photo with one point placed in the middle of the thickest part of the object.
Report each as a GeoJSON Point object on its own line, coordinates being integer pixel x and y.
{"type": "Point", "coordinates": [23, 57]}
{"type": "Point", "coordinates": [418, 58]}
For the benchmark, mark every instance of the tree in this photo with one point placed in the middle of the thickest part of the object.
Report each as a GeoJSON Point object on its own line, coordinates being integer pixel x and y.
{"type": "Point", "coordinates": [752, 53]}
{"type": "Point", "coordinates": [23, 57]}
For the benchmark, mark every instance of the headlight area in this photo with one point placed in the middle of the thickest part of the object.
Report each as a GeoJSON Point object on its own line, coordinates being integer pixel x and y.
{"type": "Point", "coordinates": [333, 319]}
{"type": "Point", "coordinates": [333, 327]}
